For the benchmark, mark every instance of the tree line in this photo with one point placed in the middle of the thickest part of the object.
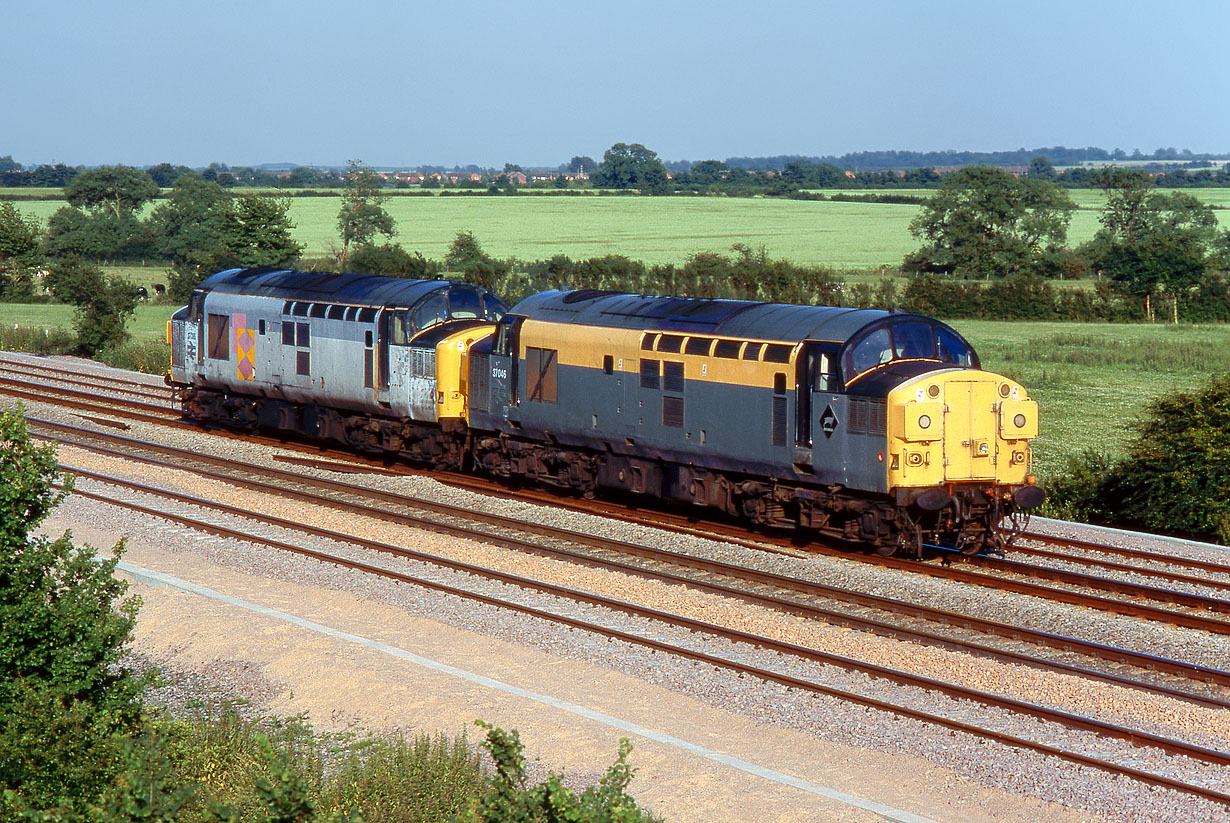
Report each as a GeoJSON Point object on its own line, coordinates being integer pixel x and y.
{"type": "Point", "coordinates": [632, 166]}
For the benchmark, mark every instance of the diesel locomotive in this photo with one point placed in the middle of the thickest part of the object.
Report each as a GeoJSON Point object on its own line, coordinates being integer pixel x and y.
{"type": "Point", "coordinates": [873, 427]}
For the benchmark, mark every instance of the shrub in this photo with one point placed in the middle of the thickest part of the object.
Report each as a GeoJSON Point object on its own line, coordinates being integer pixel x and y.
{"type": "Point", "coordinates": [147, 356]}
{"type": "Point", "coordinates": [512, 800]}
{"type": "Point", "coordinates": [36, 339]}
{"type": "Point", "coordinates": [1176, 476]}
{"type": "Point", "coordinates": [389, 259]}
{"type": "Point", "coordinates": [66, 704]}
{"type": "Point", "coordinates": [103, 303]}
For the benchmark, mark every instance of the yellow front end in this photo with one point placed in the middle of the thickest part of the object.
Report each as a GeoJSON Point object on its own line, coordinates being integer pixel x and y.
{"type": "Point", "coordinates": [453, 369]}
{"type": "Point", "coordinates": [958, 427]}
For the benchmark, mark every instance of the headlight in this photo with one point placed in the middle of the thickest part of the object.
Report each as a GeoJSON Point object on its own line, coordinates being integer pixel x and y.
{"type": "Point", "coordinates": [924, 422]}
{"type": "Point", "coordinates": [1019, 420]}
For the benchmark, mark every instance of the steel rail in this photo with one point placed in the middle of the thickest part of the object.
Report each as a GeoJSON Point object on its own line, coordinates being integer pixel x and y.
{"type": "Point", "coordinates": [1020, 587]}
{"type": "Point", "coordinates": [92, 381]}
{"type": "Point", "coordinates": [1128, 551]}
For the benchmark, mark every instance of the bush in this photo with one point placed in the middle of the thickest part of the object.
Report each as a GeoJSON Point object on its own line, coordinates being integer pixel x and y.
{"type": "Point", "coordinates": [147, 356]}
{"type": "Point", "coordinates": [36, 340]}
{"type": "Point", "coordinates": [512, 800]}
{"type": "Point", "coordinates": [103, 303]}
{"type": "Point", "coordinates": [390, 260]}
{"type": "Point", "coordinates": [66, 703]}
{"type": "Point", "coordinates": [1176, 476]}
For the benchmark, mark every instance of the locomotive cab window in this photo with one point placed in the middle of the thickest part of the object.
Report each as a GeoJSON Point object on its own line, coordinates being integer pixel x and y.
{"type": "Point", "coordinates": [493, 307]}
{"type": "Point", "coordinates": [871, 351]}
{"type": "Point", "coordinates": [913, 340]}
{"type": "Point", "coordinates": [431, 312]}
{"type": "Point", "coordinates": [398, 329]}
{"type": "Point", "coordinates": [905, 338]}
{"type": "Point", "coordinates": [464, 304]}
{"type": "Point", "coordinates": [220, 336]}
{"type": "Point", "coordinates": [953, 349]}
{"type": "Point", "coordinates": [367, 315]}
{"type": "Point", "coordinates": [540, 373]}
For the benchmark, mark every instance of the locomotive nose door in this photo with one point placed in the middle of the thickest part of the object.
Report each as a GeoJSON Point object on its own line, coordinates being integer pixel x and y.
{"type": "Point", "coordinates": [969, 428]}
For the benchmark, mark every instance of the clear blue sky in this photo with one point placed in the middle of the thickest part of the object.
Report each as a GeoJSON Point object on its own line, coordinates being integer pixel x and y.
{"type": "Point", "coordinates": [536, 82]}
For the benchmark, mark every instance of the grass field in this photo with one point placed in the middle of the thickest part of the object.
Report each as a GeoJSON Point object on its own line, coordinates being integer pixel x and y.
{"type": "Point", "coordinates": [655, 229]}
{"type": "Point", "coordinates": [1091, 380]}
{"type": "Point", "coordinates": [149, 322]}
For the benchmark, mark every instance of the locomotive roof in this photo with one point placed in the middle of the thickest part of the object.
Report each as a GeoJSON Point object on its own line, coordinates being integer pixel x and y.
{"type": "Point", "coordinates": [727, 318]}
{"type": "Point", "coordinates": [356, 289]}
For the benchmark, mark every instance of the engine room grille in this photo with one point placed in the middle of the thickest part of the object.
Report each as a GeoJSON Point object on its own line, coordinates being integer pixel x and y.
{"type": "Point", "coordinates": [672, 376]}
{"type": "Point", "coordinates": [649, 374]}
{"type": "Point", "coordinates": [480, 382]}
{"type": "Point", "coordinates": [779, 421]}
{"type": "Point", "coordinates": [868, 416]}
{"type": "Point", "coordinates": [672, 411]}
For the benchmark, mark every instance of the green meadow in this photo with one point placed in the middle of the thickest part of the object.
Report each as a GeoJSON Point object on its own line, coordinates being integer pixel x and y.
{"type": "Point", "coordinates": [843, 235]}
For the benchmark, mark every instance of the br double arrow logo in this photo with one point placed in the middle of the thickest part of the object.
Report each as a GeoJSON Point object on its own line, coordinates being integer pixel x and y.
{"type": "Point", "coordinates": [828, 421]}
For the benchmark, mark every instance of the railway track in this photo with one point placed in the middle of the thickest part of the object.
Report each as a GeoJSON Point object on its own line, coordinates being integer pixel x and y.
{"type": "Point", "coordinates": [1172, 602]}
{"type": "Point", "coordinates": [1087, 740]}
{"type": "Point", "coordinates": [752, 580]}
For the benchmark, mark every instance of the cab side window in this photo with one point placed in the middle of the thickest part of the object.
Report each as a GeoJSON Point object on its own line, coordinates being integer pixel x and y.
{"type": "Point", "coordinates": [871, 351]}
{"type": "Point", "coordinates": [431, 312]}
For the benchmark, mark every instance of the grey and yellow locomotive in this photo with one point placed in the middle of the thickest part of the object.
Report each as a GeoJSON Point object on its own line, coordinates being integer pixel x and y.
{"type": "Point", "coordinates": [870, 426]}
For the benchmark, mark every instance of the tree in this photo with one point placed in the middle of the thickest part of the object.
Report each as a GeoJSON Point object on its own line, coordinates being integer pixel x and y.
{"type": "Point", "coordinates": [66, 704]}
{"type": "Point", "coordinates": [104, 304]}
{"type": "Point", "coordinates": [464, 252]}
{"type": "Point", "coordinates": [466, 256]}
{"type": "Point", "coordinates": [165, 175]}
{"type": "Point", "coordinates": [626, 166]}
{"type": "Point", "coordinates": [1152, 241]}
{"type": "Point", "coordinates": [203, 229]}
{"type": "Point", "coordinates": [362, 215]}
{"type": "Point", "coordinates": [258, 230]}
{"type": "Point", "coordinates": [1040, 168]}
{"type": "Point", "coordinates": [121, 190]}
{"type": "Point", "coordinates": [389, 259]}
{"type": "Point", "coordinates": [20, 238]}
{"type": "Point", "coordinates": [580, 164]}
{"type": "Point", "coordinates": [101, 235]}
{"type": "Point", "coordinates": [984, 222]}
